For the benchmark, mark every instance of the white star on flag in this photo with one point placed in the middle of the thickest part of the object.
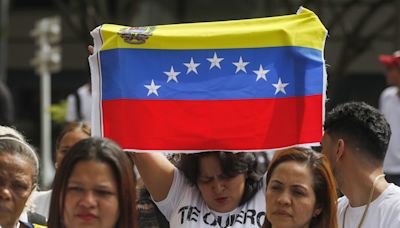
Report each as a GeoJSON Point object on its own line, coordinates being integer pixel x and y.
{"type": "Point", "coordinates": [172, 74]}
{"type": "Point", "coordinates": [191, 66]}
{"type": "Point", "coordinates": [240, 66]}
{"type": "Point", "coordinates": [280, 87]}
{"type": "Point", "coordinates": [261, 73]}
{"type": "Point", "coordinates": [152, 88]}
{"type": "Point", "coordinates": [215, 61]}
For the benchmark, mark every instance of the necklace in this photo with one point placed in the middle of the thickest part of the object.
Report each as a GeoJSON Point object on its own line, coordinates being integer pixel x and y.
{"type": "Point", "coordinates": [369, 201]}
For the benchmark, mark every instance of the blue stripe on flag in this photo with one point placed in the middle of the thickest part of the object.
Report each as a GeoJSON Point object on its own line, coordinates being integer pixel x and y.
{"type": "Point", "coordinates": [127, 72]}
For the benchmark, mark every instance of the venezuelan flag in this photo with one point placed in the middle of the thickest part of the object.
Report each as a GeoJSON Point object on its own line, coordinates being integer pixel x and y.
{"type": "Point", "coordinates": [242, 85]}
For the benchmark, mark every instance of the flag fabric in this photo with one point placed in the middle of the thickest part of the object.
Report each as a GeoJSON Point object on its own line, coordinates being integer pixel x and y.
{"type": "Point", "coordinates": [241, 85]}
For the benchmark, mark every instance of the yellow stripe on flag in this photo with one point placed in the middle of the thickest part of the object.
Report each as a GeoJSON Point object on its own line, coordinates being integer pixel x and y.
{"type": "Point", "coordinates": [303, 29]}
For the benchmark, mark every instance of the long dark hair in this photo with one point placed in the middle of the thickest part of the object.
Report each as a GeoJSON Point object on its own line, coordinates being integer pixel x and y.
{"type": "Point", "coordinates": [232, 164]}
{"type": "Point", "coordinates": [323, 183]}
{"type": "Point", "coordinates": [105, 151]}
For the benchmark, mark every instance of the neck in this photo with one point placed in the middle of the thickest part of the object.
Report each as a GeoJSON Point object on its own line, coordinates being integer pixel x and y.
{"type": "Point", "coordinates": [9, 225]}
{"type": "Point", "coordinates": [358, 182]}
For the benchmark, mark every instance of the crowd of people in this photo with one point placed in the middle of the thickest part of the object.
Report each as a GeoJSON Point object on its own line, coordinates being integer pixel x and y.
{"type": "Point", "coordinates": [97, 184]}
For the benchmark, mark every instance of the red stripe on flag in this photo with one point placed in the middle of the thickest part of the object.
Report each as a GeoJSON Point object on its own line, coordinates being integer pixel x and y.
{"type": "Point", "coordinates": [210, 124]}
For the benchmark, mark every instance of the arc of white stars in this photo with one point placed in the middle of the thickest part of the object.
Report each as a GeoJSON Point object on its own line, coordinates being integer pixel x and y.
{"type": "Point", "coordinates": [280, 87]}
{"type": "Point", "coordinates": [215, 61]}
{"type": "Point", "coordinates": [240, 66]}
{"type": "Point", "coordinates": [172, 74]}
{"type": "Point", "coordinates": [261, 73]}
{"type": "Point", "coordinates": [191, 66]}
{"type": "Point", "coordinates": [152, 88]}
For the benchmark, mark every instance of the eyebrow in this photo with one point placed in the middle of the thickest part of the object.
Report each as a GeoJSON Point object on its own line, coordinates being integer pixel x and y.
{"type": "Point", "coordinates": [294, 185]}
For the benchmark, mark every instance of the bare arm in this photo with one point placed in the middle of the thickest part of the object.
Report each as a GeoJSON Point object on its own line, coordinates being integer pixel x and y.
{"type": "Point", "coordinates": [157, 173]}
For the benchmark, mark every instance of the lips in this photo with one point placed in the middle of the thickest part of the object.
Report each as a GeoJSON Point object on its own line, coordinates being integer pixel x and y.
{"type": "Point", "coordinates": [87, 217]}
{"type": "Point", "coordinates": [221, 200]}
{"type": "Point", "coordinates": [282, 213]}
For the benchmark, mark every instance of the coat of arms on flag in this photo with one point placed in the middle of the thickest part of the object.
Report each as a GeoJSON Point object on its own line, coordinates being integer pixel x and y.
{"type": "Point", "coordinates": [242, 85]}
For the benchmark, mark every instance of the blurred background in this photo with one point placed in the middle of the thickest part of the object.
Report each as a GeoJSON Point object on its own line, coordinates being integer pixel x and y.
{"type": "Point", "coordinates": [359, 30]}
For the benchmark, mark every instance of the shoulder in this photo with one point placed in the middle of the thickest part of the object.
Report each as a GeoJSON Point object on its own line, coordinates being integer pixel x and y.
{"type": "Point", "coordinates": [342, 202]}
{"type": "Point", "coordinates": [36, 219]}
{"type": "Point", "coordinates": [389, 92]}
{"type": "Point", "coordinates": [83, 90]}
{"type": "Point", "coordinates": [391, 196]}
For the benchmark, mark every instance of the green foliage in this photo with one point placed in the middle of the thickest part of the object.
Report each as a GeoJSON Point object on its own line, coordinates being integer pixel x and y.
{"type": "Point", "coordinates": [58, 112]}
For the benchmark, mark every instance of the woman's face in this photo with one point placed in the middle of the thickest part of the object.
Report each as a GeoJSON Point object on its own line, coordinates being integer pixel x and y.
{"type": "Point", "coordinates": [91, 198]}
{"type": "Point", "coordinates": [67, 142]}
{"type": "Point", "coordinates": [290, 196]}
{"type": "Point", "coordinates": [16, 185]}
{"type": "Point", "coordinates": [220, 192]}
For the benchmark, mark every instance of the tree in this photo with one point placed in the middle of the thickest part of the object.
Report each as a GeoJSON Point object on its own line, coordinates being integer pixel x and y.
{"type": "Point", "coordinates": [84, 15]}
{"type": "Point", "coordinates": [356, 24]}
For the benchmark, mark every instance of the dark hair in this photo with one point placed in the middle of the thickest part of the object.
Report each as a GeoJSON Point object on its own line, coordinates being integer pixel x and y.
{"type": "Point", "coordinates": [323, 183]}
{"type": "Point", "coordinates": [70, 127]}
{"type": "Point", "coordinates": [107, 152]}
{"type": "Point", "coordinates": [361, 126]}
{"type": "Point", "coordinates": [232, 164]}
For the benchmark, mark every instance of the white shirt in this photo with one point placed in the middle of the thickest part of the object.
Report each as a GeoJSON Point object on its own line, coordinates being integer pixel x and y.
{"type": "Point", "coordinates": [390, 107]}
{"type": "Point", "coordinates": [86, 105]}
{"type": "Point", "coordinates": [383, 212]}
{"type": "Point", "coordinates": [185, 207]}
{"type": "Point", "coordinates": [41, 203]}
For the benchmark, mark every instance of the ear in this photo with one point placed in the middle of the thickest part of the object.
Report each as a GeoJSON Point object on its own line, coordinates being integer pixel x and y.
{"type": "Point", "coordinates": [340, 151]}
{"type": "Point", "coordinates": [317, 212]}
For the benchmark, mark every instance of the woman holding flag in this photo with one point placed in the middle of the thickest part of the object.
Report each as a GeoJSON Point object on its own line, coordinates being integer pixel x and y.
{"type": "Point", "coordinates": [213, 189]}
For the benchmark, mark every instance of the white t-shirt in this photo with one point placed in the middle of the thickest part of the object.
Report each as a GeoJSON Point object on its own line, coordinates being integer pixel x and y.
{"type": "Point", "coordinates": [41, 202]}
{"type": "Point", "coordinates": [390, 107]}
{"type": "Point", "coordinates": [383, 212]}
{"type": "Point", "coordinates": [184, 207]}
{"type": "Point", "coordinates": [85, 105]}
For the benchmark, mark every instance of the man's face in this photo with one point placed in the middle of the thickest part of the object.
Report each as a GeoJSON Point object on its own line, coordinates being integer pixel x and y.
{"type": "Point", "coordinates": [329, 147]}
{"type": "Point", "coordinates": [393, 75]}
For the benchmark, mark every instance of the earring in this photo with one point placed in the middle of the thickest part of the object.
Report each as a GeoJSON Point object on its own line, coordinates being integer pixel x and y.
{"type": "Point", "coordinates": [316, 213]}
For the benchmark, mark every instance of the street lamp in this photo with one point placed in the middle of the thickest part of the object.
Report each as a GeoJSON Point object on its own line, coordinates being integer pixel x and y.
{"type": "Point", "coordinates": [47, 60]}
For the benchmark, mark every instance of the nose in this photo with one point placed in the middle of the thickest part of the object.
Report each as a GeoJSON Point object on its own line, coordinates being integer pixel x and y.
{"type": "Point", "coordinates": [218, 186]}
{"type": "Point", "coordinates": [284, 198]}
{"type": "Point", "coordinates": [5, 193]}
{"type": "Point", "coordinates": [88, 199]}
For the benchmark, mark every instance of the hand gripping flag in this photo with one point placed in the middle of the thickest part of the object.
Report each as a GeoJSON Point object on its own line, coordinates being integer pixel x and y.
{"type": "Point", "coordinates": [242, 85]}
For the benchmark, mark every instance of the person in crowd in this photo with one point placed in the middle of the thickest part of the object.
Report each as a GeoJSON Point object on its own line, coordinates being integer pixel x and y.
{"type": "Point", "coordinates": [355, 141]}
{"type": "Point", "coordinates": [210, 189]}
{"type": "Point", "coordinates": [94, 187]}
{"type": "Point", "coordinates": [19, 170]}
{"type": "Point", "coordinates": [71, 134]}
{"type": "Point", "coordinates": [389, 104]}
{"type": "Point", "coordinates": [79, 105]}
{"type": "Point", "coordinates": [301, 190]}
{"type": "Point", "coordinates": [148, 213]}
